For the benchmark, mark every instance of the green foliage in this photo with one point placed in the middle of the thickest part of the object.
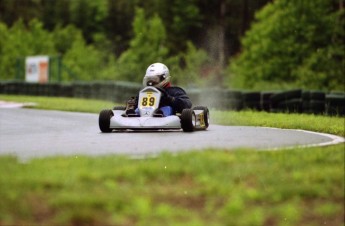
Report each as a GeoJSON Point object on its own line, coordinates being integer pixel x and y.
{"type": "Point", "coordinates": [86, 61]}
{"type": "Point", "coordinates": [194, 60]}
{"type": "Point", "coordinates": [146, 47]}
{"type": "Point", "coordinates": [64, 37]}
{"type": "Point", "coordinates": [291, 43]}
{"type": "Point", "coordinates": [149, 45]}
{"type": "Point", "coordinates": [21, 40]}
{"type": "Point", "coordinates": [294, 42]}
{"type": "Point", "coordinates": [88, 15]}
{"type": "Point", "coordinates": [183, 18]}
{"type": "Point", "coordinates": [80, 61]}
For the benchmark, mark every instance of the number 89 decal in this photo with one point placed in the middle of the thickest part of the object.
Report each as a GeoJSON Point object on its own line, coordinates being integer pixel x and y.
{"type": "Point", "coordinates": [148, 101]}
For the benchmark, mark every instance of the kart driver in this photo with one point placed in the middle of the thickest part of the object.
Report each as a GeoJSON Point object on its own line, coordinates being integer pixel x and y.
{"type": "Point", "coordinates": [173, 100]}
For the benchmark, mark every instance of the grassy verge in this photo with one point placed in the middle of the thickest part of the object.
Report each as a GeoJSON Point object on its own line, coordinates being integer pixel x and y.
{"type": "Point", "coordinates": [317, 123]}
{"type": "Point", "coordinates": [213, 187]}
{"type": "Point", "coordinates": [60, 103]}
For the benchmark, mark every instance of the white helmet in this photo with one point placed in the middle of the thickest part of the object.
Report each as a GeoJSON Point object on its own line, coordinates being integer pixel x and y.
{"type": "Point", "coordinates": [157, 75]}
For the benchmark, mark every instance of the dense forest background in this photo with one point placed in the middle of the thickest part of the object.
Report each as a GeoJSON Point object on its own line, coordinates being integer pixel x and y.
{"type": "Point", "coordinates": [252, 44]}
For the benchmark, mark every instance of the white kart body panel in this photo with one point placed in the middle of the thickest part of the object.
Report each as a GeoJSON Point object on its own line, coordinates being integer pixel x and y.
{"type": "Point", "coordinates": [120, 122]}
{"type": "Point", "coordinates": [148, 103]}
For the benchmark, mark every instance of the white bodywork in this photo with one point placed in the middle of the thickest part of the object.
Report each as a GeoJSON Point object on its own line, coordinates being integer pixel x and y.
{"type": "Point", "coordinates": [145, 119]}
{"type": "Point", "coordinates": [120, 122]}
{"type": "Point", "coordinates": [148, 102]}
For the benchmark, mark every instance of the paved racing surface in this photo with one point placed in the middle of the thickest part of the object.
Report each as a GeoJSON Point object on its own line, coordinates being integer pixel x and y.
{"type": "Point", "coordinates": [29, 133]}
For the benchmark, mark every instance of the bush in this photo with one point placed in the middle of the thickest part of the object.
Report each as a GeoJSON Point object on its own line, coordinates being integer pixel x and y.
{"type": "Point", "coordinates": [194, 60]}
{"type": "Point", "coordinates": [80, 61]}
{"type": "Point", "coordinates": [21, 40]}
{"type": "Point", "coordinates": [293, 42]}
{"type": "Point", "coordinates": [146, 47]}
{"type": "Point", "coordinates": [149, 46]}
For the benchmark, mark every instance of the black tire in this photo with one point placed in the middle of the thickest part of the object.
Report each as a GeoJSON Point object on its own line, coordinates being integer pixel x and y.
{"type": "Point", "coordinates": [314, 107]}
{"type": "Point", "coordinates": [266, 95]}
{"type": "Point", "coordinates": [285, 96]}
{"type": "Point", "coordinates": [266, 100]}
{"type": "Point", "coordinates": [206, 114]}
{"type": "Point", "coordinates": [266, 105]}
{"type": "Point", "coordinates": [251, 96]}
{"type": "Point", "coordinates": [291, 106]}
{"type": "Point", "coordinates": [187, 120]}
{"type": "Point", "coordinates": [313, 95]}
{"type": "Point", "coordinates": [104, 120]}
{"type": "Point", "coordinates": [334, 99]}
{"type": "Point", "coordinates": [253, 105]}
{"type": "Point", "coordinates": [335, 104]}
{"type": "Point", "coordinates": [120, 108]}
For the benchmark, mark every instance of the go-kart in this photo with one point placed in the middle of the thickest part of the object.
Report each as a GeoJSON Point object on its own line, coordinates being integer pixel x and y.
{"type": "Point", "coordinates": [196, 118]}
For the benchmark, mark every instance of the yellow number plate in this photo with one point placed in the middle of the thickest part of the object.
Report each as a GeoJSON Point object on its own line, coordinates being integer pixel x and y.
{"type": "Point", "coordinates": [147, 100]}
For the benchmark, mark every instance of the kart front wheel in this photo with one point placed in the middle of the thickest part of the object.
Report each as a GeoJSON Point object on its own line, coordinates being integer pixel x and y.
{"type": "Point", "coordinates": [188, 120]}
{"type": "Point", "coordinates": [104, 120]}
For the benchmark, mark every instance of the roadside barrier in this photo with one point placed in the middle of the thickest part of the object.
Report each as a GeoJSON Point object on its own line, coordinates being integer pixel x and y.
{"type": "Point", "coordinates": [252, 100]}
{"type": "Point", "coordinates": [335, 104]}
{"type": "Point", "coordinates": [314, 102]}
{"type": "Point", "coordinates": [291, 101]}
{"type": "Point", "coordinates": [287, 101]}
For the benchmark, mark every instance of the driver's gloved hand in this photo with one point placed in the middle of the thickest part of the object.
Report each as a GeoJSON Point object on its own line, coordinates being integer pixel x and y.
{"type": "Point", "coordinates": [131, 104]}
{"type": "Point", "coordinates": [166, 99]}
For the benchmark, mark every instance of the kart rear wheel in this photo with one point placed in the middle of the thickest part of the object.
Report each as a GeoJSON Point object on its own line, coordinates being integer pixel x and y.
{"type": "Point", "coordinates": [104, 120]}
{"type": "Point", "coordinates": [206, 114]}
{"type": "Point", "coordinates": [188, 120]}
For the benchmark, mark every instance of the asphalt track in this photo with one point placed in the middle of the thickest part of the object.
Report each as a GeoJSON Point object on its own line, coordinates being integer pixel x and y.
{"type": "Point", "coordinates": [29, 133]}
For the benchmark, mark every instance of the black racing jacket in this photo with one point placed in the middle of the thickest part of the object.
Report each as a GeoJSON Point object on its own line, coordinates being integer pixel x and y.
{"type": "Point", "coordinates": [180, 99]}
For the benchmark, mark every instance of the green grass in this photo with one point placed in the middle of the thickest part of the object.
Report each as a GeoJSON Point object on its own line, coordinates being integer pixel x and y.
{"type": "Point", "coordinates": [212, 187]}
{"type": "Point", "coordinates": [316, 123]}
{"type": "Point", "coordinates": [60, 103]}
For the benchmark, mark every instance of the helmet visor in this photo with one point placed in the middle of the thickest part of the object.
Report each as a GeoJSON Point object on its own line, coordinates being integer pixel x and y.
{"type": "Point", "coordinates": [152, 80]}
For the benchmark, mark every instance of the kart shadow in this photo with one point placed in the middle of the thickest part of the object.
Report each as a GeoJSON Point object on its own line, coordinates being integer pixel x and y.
{"type": "Point", "coordinates": [147, 131]}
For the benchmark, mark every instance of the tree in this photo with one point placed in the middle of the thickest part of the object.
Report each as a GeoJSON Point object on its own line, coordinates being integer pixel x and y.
{"type": "Point", "coordinates": [88, 15]}
{"type": "Point", "coordinates": [19, 41]}
{"type": "Point", "coordinates": [147, 46]}
{"type": "Point", "coordinates": [197, 21]}
{"type": "Point", "coordinates": [289, 41]}
{"type": "Point", "coordinates": [195, 60]}
{"type": "Point", "coordinates": [84, 61]}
